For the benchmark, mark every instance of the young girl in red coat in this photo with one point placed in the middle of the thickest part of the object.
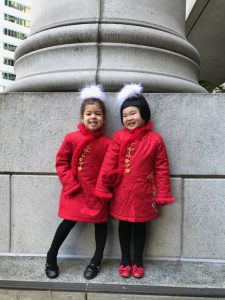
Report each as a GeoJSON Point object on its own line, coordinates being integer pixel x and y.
{"type": "Point", "coordinates": [78, 163]}
{"type": "Point", "coordinates": [136, 167]}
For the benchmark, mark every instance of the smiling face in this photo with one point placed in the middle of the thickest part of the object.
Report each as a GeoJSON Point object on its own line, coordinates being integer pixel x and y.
{"type": "Point", "coordinates": [132, 118]}
{"type": "Point", "coordinates": [92, 118]}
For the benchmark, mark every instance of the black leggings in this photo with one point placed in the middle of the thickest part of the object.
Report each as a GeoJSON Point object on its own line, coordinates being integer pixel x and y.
{"type": "Point", "coordinates": [62, 232]}
{"type": "Point", "coordinates": [139, 235]}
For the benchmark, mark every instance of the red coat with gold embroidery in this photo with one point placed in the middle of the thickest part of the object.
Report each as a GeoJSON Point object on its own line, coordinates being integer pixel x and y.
{"type": "Point", "coordinates": [144, 182]}
{"type": "Point", "coordinates": [77, 201]}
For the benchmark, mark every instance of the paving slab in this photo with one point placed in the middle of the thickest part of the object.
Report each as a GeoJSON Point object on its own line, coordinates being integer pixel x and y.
{"type": "Point", "coordinates": [7, 294]}
{"type": "Point", "coordinates": [103, 296]}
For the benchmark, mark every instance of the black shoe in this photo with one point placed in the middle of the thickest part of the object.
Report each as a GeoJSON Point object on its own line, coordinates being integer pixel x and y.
{"type": "Point", "coordinates": [91, 271]}
{"type": "Point", "coordinates": [51, 271]}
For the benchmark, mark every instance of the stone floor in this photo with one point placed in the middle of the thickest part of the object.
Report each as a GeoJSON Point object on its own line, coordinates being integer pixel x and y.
{"type": "Point", "coordinates": [163, 279]}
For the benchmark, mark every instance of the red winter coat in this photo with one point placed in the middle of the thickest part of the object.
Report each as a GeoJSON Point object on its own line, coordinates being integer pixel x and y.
{"type": "Point", "coordinates": [78, 174]}
{"type": "Point", "coordinates": [142, 182]}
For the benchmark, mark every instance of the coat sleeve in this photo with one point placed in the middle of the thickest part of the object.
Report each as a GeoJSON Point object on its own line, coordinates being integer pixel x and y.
{"type": "Point", "coordinates": [63, 167]}
{"type": "Point", "coordinates": [162, 176]}
{"type": "Point", "coordinates": [108, 173]}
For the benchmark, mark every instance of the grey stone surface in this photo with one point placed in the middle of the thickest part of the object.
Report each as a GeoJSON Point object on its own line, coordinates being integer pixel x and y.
{"type": "Point", "coordinates": [32, 128]}
{"type": "Point", "coordinates": [73, 34]}
{"type": "Point", "coordinates": [28, 295]}
{"type": "Point", "coordinates": [147, 13]}
{"type": "Point", "coordinates": [103, 296]}
{"type": "Point", "coordinates": [146, 36]}
{"type": "Point", "coordinates": [68, 296]}
{"type": "Point", "coordinates": [51, 14]}
{"type": "Point", "coordinates": [7, 294]}
{"type": "Point", "coordinates": [134, 59]}
{"type": "Point", "coordinates": [75, 58]}
{"type": "Point", "coordinates": [164, 276]}
{"type": "Point", "coordinates": [39, 121]}
{"type": "Point", "coordinates": [204, 28]}
{"type": "Point", "coordinates": [192, 127]}
{"type": "Point", "coordinates": [34, 214]}
{"type": "Point", "coordinates": [204, 222]}
{"type": "Point", "coordinates": [4, 213]}
{"type": "Point", "coordinates": [164, 234]}
{"type": "Point", "coordinates": [34, 218]}
{"type": "Point", "coordinates": [24, 295]}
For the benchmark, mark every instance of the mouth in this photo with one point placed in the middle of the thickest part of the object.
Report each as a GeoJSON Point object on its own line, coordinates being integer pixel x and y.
{"type": "Point", "coordinates": [93, 123]}
{"type": "Point", "coordinates": [131, 124]}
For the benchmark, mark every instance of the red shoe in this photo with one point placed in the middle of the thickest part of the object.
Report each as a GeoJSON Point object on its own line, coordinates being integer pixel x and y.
{"type": "Point", "coordinates": [125, 271]}
{"type": "Point", "coordinates": [137, 272]}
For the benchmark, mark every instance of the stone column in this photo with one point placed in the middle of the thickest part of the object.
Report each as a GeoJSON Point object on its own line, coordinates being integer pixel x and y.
{"type": "Point", "coordinates": [109, 41]}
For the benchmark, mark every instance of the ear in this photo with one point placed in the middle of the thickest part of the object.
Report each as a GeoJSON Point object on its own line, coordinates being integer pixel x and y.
{"type": "Point", "coordinates": [81, 119]}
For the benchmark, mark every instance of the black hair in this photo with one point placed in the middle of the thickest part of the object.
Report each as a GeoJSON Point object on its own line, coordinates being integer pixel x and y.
{"type": "Point", "coordinates": [140, 102]}
{"type": "Point", "coordinates": [92, 101]}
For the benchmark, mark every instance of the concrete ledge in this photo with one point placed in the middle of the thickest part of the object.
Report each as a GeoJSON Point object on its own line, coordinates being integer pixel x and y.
{"type": "Point", "coordinates": [161, 277]}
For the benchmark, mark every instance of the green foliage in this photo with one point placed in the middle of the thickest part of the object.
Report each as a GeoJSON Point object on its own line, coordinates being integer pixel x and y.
{"type": "Point", "coordinates": [212, 87]}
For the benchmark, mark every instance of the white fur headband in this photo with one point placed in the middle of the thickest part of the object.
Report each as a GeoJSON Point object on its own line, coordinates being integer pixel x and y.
{"type": "Point", "coordinates": [128, 91]}
{"type": "Point", "coordinates": [92, 91]}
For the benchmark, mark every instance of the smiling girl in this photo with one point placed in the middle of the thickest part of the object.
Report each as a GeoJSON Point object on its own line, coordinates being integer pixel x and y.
{"type": "Point", "coordinates": [78, 163]}
{"type": "Point", "coordinates": [136, 169]}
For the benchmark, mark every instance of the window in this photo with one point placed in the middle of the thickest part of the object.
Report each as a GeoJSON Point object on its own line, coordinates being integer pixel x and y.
{"type": "Point", "coordinates": [14, 34]}
{"type": "Point", "coordinates": [16, 5]}
{"type": "Point", "coordinates": [16, 20]}
{"type": "Point", "coordinates": [9, 61]}
{"type": "Point", "coordinates": [8, 76]}
{"type": "Point", "coordinates": [9, 47]}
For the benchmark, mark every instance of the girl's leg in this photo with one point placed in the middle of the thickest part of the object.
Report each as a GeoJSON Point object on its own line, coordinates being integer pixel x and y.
{"type": "Point", "coordinates": [125, 238]}
{"type": "Point", "coordinates": [139, 234]}
{"type": "Point", "coordinates": [62, 232]}
{"type": "Point", "coordinates": [100, 239]}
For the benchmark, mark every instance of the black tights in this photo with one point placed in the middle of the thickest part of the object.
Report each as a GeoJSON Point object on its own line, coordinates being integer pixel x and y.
{"type": "Point", "coordinates": [139, 234]}
{"type": "Point", "coordinates": [62, 232]}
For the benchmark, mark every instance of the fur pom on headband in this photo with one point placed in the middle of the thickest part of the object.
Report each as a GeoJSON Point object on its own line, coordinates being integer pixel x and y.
{"type": "Point", "coordinates": [92, 91]}
{"type": "Point", "coordinates": [129, 91]}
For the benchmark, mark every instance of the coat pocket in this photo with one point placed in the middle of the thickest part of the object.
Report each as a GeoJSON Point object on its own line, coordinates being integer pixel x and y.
{"type": "Point", "coordinates": [142, 196]}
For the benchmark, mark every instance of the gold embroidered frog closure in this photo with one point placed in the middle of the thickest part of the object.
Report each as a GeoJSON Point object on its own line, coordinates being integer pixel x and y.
{"type": "Point", "coordinates": [86, 150]}
{"type": "Point", "coordinates": [128, 156]}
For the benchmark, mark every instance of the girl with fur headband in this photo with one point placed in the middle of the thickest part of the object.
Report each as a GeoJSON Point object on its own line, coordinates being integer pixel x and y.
{"type": "Point", "coordinates": [136, 169]}
{"type": "Point", "coordinates": [78, 163]}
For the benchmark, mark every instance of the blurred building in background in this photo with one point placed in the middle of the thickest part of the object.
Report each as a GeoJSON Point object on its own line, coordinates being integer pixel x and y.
{"type": "Point", "coordinates": [14, 27]}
